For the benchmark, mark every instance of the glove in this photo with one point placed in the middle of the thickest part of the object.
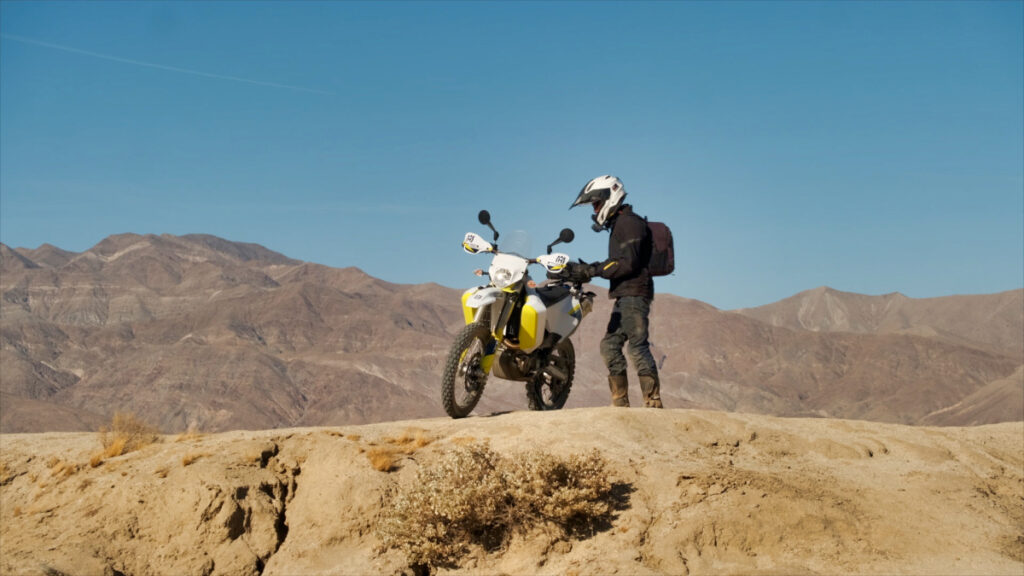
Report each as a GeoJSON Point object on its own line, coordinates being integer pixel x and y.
{"type": "Point", "coordinates": [578, 272]}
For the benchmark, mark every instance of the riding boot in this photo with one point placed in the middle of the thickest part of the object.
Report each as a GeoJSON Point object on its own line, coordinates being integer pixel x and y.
{"type": "Point", "coordinates": [619, 386]}
{"type": "Point", "coordinates": [651, 388]}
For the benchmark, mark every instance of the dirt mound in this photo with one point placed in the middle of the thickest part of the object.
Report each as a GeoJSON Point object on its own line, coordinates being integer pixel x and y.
{"type": "Point", "coordinates": [701, 492]}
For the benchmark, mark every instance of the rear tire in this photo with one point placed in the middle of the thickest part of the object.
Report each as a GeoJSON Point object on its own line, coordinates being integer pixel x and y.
{"type": "Point", "coordinates": [464, 379]}
{"type": "Point", "coordinates": [547, 391]}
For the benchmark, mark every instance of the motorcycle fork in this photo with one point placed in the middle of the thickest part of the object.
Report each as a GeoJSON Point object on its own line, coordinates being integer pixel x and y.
{"type": "Point", "coordinates": [483, 316]}
{"type": "Point", "coordinates": [509, 305]}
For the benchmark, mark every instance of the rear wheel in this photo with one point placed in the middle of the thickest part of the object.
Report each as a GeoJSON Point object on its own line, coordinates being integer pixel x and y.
{"type": "Point", "coordinates": [549, 389]}
{"type": "Point", "coordinates": [464, 378]}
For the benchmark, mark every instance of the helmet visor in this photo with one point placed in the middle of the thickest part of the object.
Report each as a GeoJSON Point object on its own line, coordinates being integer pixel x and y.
{"type": "Point", "coordinates": [592, 196]}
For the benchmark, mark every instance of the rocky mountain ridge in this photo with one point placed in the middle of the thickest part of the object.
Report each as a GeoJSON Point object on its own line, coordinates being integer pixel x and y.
{"type": "Point", "coordinates": [201, 332]}
{"type": "Point", "coordinates": [990, 321]}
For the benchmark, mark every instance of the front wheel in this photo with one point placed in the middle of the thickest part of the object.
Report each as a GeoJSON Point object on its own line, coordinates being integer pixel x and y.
{"type": "Point", "coordinates": [549, 389]}
{"type": "Point", "coordinates": [464, 377]}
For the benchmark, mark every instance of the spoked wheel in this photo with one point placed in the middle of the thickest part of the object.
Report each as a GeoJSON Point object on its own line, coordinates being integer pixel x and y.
{"type": "Point", "coordinates": [550, 388]}
{"type": "Point", "coordinates": [464, 378]}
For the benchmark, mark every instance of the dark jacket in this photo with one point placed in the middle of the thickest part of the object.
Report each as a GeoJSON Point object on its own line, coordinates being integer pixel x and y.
{"type": "Point", "coordinates": [629, 250]}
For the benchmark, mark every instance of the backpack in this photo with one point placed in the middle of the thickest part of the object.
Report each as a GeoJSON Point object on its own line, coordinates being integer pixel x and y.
{"type": "Point", "coordinates": [663, 256]}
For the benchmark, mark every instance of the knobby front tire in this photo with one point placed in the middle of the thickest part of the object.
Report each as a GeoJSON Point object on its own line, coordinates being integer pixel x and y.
{"type": "Point", "coordinates": [464, 379]}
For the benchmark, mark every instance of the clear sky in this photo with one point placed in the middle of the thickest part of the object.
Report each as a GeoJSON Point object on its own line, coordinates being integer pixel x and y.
{"type": "Point", "coordinates": [872, 147]}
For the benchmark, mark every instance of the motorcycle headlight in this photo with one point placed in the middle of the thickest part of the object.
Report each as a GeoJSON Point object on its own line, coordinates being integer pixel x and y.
{"type": "Point", "coordinates": [502, 277]}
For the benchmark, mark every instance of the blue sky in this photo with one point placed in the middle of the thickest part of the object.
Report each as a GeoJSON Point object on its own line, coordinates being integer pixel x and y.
{"type": "Point", "coordinates": [869, 146]}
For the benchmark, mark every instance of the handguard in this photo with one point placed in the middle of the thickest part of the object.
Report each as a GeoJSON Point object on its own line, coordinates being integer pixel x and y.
{"type": "Point", "coordinates": [574, 273]}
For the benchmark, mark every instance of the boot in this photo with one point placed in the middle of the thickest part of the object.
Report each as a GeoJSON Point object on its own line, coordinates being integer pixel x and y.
{"type": "Point", "coordinates": [619, 386]}
{"type": "Point", "coordinates": [652, 390]}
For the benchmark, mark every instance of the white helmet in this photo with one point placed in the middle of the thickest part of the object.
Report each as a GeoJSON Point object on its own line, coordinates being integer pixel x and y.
{"type": "Point", "coordinates": [606, 193]}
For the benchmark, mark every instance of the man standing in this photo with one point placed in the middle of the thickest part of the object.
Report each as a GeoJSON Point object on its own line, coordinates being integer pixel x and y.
{"type": "Point", "coordinates": [631, 286]}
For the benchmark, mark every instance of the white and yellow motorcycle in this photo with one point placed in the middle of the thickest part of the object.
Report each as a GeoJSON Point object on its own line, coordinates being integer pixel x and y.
{"type": "Point", "coordinates": [516, 329]}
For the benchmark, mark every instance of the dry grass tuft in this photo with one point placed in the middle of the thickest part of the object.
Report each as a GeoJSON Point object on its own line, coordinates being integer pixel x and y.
{"type": "Point", "coordinates": [411, 440]}
{"type": "Point", "coordinates": [190, 458]}
{"type": "Point", "coordinates": [61, 469]}
{"type": "Point", "coordinates": [473, 499]}
{"type": "Point", "coordinates": [464, 440]}
{"type": "Point", "coordinates": [385, 457]}
{"type": "Point", "coordinates": [126, 433]}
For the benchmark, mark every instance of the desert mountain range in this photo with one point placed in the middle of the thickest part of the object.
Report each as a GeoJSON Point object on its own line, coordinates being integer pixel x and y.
{"type": "Point", "coordinates": [197, 332]}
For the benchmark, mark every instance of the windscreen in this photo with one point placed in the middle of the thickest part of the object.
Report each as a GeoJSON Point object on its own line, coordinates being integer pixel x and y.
{"type": "Point", "coordinates": [517, 242]}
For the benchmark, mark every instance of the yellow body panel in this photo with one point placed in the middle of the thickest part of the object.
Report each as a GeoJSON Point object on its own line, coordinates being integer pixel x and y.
{"type": "Point", "coordinates": [467, 312]}
{"type": "Point", "coordinates": [529, 328]}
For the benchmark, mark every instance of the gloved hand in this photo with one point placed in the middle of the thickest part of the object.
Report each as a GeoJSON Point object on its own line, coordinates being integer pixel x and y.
{"type": "Point", "coordinates": [576, 273]}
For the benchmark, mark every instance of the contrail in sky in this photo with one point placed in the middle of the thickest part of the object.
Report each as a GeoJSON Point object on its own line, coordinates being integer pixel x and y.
{"type": "Point", "coordinates": [158, 66]}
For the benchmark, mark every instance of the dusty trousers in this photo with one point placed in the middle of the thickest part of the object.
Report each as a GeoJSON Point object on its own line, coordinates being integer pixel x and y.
{"type": "Point", "coordinates": [629, 322]}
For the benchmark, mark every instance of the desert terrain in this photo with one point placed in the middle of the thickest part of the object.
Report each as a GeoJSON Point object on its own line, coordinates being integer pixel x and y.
{"type": "Point", "coordinates": [696, 492]}
{"type": "Point", "coordinates": [292, 427]}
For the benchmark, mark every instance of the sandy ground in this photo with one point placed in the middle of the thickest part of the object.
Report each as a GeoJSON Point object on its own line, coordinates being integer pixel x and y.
{"type": "Point", "coordinates": [703, 492]}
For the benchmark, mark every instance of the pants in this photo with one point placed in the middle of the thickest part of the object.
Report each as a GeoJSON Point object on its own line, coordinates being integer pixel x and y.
{"type": "Point", "coordinates": [629, 322]}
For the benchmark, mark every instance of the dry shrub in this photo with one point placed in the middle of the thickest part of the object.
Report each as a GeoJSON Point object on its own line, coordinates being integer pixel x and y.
{"type": "Point", "coordinates": [190, 458]}
{"type": "Point", "coordinates": [571, 493]}
{"type": "Point", "coordinates": [473, 498]}
{"type": "Point", "coordinates": [126, 433]}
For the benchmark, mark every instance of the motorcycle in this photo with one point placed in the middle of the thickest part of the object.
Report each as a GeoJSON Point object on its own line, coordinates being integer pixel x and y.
{"type": "Point", "coordinates": [515, 329]}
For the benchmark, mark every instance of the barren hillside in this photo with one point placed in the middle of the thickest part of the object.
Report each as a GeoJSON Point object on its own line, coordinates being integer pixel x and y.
{"type": "Point", "coordinates": [992, 322]}
{"type": "Point", "coordinates": [199, 331]}
{"type": "Point", "coordinates": [693, 492]}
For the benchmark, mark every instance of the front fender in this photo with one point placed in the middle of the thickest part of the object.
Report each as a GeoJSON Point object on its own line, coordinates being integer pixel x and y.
{"type": "Point", "coordinates": [483, 297]}
{"type": "Point", "coordinates": [476, 298]}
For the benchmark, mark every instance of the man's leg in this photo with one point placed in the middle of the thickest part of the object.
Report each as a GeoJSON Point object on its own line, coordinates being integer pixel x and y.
{"type": "Point", "coordinates": [614, 360]}
{"type": "Point", "coordinates": [636, 324]}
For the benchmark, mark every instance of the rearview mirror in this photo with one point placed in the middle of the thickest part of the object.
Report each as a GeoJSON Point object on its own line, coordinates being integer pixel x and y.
{"type": "Point", "coordinates": [485, 218]}
{"type": "Point", "coordinates": [566, 235]}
